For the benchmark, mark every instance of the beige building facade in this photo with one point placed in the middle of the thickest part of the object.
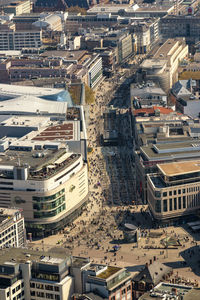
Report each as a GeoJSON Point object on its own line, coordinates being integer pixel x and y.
{"type": "Point", "coordinates": [175, 190]}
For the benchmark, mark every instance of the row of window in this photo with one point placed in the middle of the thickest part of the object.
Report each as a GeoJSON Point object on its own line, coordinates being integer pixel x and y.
{"type": "Point", "coordinates": [7, 231]}
{"type": "Point", "coordinates": [48, 198]}
{"type": "Point", "coordinates": [47, 287]}
{"type": "Point", "coordinates": [49, 205]}
{"type": "Point", "coordinates": [158, 194]}
{"type": "Point", "coordinates": [49, 213]}
{"type": "Point", "coordinates": [45, 295]}
{"type": "Point", "coordinates": [177, 203]}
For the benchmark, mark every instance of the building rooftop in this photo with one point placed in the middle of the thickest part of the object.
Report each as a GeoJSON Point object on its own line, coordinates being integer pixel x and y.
{"type": "Point", "coordinates": [108, 272]}
{"type": "Point", "coordinates": [165, 49]}
{"type": "Point", "coordinates": [65, 54]}
{"type": "Point", "coordinates": [152, 110]}
{"type": "Point", "coordinates": [21, 105]}
{"type": "Point", "coordinates": [178, 168]}
{"type": "Point", "coordinates": [165, 290]}
{"type": "Point", "coordinates": [171, 148]}
{"type": "Point", "coordinates": [19, 255]}
{"type": "Point", "coordinates": [153, 273]}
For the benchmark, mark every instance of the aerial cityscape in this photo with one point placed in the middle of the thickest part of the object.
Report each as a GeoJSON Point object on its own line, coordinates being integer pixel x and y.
{"type": "Point", "coordinates": [100, 149]}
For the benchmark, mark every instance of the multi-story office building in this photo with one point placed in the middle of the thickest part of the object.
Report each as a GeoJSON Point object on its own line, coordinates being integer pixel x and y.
{"type": "Point", "coordinates": [94, 67]}
{"type": "Point", "coordinates": [108, 282]}
{"type": "Point", "coordinates": [123, 43]}
{"type": "Point", "coordinates": [181, 26]}
{"type": "Point", "coordinates": [18, 7]}
{"type": "Point", "coordinates": [12, 230]}
{"type": "Point", "coordinates": [30, 275]}
{"type": "Point", "coordinates": [49, 183]}
{"type": "Point", "coordinates": [174, 190]}
{"type": "Point", "coordinates": [162, 67]}
{"type": "Point", "coordinates": [17, 40]}
{"type": "Point", "coordinates": [147, 33]}
{"type": "Point", "coordinates": [50, 154]}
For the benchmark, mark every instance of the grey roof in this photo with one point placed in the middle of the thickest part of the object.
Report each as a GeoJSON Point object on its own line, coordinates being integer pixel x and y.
{"type": "Point", "coordinates": [153, 273]}
{"type": "Point", "coordinates": [181, 87]}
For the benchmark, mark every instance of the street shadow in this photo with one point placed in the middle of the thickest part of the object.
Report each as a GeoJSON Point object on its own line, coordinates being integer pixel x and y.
{"type": "Point", "coordinates": [136, 268]}
{"type": "Point", "coordinates": [194, 235]}
{"type": "Point", "coordinates": [192, 258]}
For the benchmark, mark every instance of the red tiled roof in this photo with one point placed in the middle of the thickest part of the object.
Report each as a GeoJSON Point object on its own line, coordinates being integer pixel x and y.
{"type": "Point", "coordinates": [151, 110]}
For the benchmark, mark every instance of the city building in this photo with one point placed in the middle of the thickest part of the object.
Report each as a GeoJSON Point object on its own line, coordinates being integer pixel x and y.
{"type": "Point", "coordinates": [160, 141]}
{"type": "Point", "coordinates": [172, 291]}
{"type": "Point", "coordinates": [123, 42]}
{"type": "Point", "coordinates": [187, 26]}
{"type": "Point", "coordinates": [147, 33]}
{"type": "Point", "coordinates": [108, 282]}
{"type": "Point", "coordinates": [147, 95]}
{"type": "Point", "coordinates": [17, 40]}
{"type": "Point", "coordinates": [48, 142]}
{"type": "Point", "coordinates": [49, 184]}
{"type": "Point", "coordinates": [151, 275]}
{"type": "Point", "coordinates": [163, 66]}
{"type": "Point", "coordinates": [135, 10]}
{"type": "Point", "coordinates": [28, 274]}
{"type": "Point", "coordinates": [12, 229]}
{"type": "Point", "coordinates": [173, 191]}
{"type": "Point", "coordinates": [18, 7]}
{"type": "Point", "coordinates": [51, 22]}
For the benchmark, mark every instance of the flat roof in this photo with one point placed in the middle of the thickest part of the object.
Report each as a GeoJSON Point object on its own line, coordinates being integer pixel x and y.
{"type": "Point", "coordinates": [19, 255]}
{"type": "Point", "coordinates": [178, 168]}
{"type": "Point", "coordinates": [108, 272]}
{"type": "Point", "coordinates": [154, 63]}
{"type": "Point", "coordinates": [164, 50]}
{"type": "Point", "coordinates": [68, 55]}
{"type": "Point", "coordinates": [171, 144]}
{"type": "Point", "coordinates": [19, 90]}
{"type": "Point", "coordinates": [32, 105]}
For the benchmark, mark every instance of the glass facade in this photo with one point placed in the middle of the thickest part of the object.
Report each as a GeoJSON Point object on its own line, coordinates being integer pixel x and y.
{"type": "Point", "coordinates": [49, 206]}
{"type": "Point", "coordinates": [48, 198]}
{"type": "Point", "coordinates": [49, 214]}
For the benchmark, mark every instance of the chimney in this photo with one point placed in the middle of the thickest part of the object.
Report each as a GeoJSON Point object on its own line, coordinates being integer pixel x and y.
{"type": "Point", "coordinates": [150, 262]}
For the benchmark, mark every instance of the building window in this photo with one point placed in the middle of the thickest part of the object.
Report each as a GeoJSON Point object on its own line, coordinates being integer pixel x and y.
{"type": "Point", "coordinates": [170, 193]}
{"type": "Point", "coordinates": [56, 288]}
{"type": "Point", "coordinates": [164, 194]}
{"type": "Point", "coordinates": [49, 296]}
{"type": "Point", "coordinates": [175, 192]}
{"type": "Point", "coordinates": [157, 194]}
{"type": "Point", "coordinates": [165, 205]}
{"type": "Point", "coordinates": [179, 191]}
{"type": "Point", "coordinates": [49, 287]}
{"type": "Point", "coordinates": [175, 204]}
{"type": "Point", "coordinates": [184, 202]}
{"type": "Point", "coordinates": [57, 297]}
{"type": "Point", "coordinates": [123, 291]}
{"type": "Point", "coordinates": [158, 206]}
{"type": "Point", "coordinates": [183, 191]}
{"type": "Point", "coordinates": [39, 286]}
{"type": "Point", "coordinates": [179, 202]}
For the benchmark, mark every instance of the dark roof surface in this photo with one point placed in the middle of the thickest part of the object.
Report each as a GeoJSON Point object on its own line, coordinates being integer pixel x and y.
{"type": "Point", "coordinates": [153, 273]}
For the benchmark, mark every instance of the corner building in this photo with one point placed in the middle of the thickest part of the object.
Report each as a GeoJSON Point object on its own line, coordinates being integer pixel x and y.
{"type": "Point", "coordinates": [50, 185]}
{"type": "Point", "coordinates": [174, 191]}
